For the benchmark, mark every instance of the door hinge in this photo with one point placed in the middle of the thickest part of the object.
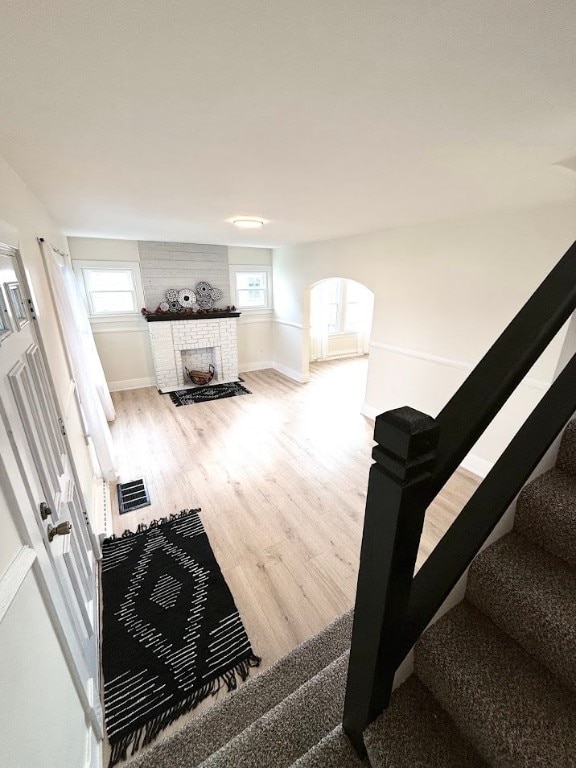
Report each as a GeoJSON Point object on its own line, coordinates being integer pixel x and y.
{"type": "Point", "coordinates": [31, 309]}
{"type": "Point", "coordinates": [62, 427]}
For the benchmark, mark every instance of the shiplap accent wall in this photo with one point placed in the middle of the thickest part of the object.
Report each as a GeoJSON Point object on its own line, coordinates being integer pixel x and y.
{"type": "Point", "coordinates": [182, 265]}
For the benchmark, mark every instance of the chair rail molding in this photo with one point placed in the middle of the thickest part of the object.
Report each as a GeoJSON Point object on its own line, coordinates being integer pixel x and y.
{"type": "Point", "coordinates": [538, 384]}
{"type": "Point", "coordinates": [292, 324]}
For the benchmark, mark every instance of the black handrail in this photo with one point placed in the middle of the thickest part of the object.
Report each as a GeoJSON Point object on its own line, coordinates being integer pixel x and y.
{"type": "Point", "coordinates": [415, 457]}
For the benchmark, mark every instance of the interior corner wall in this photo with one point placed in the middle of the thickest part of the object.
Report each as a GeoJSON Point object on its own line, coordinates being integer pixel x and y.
{"type": "Point", "coordinates": [444, 291]}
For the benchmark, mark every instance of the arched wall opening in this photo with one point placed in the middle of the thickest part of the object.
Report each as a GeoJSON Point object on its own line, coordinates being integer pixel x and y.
{"type": "Point", "coordinates": [333, 333]}
{"type": "Point", "coordinates": [340, 319]}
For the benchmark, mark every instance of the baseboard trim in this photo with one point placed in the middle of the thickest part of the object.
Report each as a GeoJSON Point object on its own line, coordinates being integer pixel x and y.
{"type": "Point", "coordinates": [118, 386]}
{"type": "Point", "coordinates": [291, 373]}
{"type": "Point", "coordinates": [262, 366]}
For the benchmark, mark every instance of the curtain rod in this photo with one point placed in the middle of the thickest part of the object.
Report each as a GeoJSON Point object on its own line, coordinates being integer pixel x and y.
{"type": "Point", "coordinates": [56, 250]}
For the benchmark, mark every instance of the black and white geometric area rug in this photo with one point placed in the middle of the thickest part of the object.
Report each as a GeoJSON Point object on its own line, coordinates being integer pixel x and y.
{"type": "Point", "coordinates": [171, 633]}
{"type": "Point", "coordinates": [205, 394]}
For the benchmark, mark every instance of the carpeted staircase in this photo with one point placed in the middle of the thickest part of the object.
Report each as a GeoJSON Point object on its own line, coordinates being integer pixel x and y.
{"type": "Point", "coordinates": [494, 681]}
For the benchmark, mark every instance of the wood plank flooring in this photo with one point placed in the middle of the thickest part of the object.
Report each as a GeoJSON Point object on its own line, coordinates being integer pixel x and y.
{"type": "Point", "coordinates": [281, 478]}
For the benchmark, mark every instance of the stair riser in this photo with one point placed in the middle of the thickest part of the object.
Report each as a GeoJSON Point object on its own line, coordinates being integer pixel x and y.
{"type": "Point", "coordinates": [237, 711]}
{"type": "Point", "coordinates": [532, 597]}
{"type": "Point", "coordinates": [334, 751]}
{"type": "Point", "coordinates": [567, 452]}
{"type": "Point", "coordinates": [292, 728]}
{"type": "Point", "coordinates": [546, 514]}
{"type": "Point", "coordinates": [507, 705]}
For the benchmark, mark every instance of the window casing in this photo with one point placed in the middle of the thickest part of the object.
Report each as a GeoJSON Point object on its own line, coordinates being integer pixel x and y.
{"type": "Point", "coordinates": [5, 323]}
{"type": "Point", "coordinates": [17, 303]}
{"type": "Point", "coordinates": [111, 289]}
{"type": "Point", "coordinates": [345, 306]}
{"type": "Point", "coordinates": [251, 287]}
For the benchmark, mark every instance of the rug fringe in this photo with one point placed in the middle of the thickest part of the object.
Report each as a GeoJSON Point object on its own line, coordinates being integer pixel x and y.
{"type": "Point", "coordinates": [142, 527]}
{"type": "Point", "coordinates": [150, 730]}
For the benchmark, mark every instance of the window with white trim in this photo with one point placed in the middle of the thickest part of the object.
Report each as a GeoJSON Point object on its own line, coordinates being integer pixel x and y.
{"type": "Point", "coordinates": [346, 305]}
{"type": "Point", "coordinates": [17, 303]}
{"type": "Point", "coordinates": [251, 287]}
{"type": "Point", "coordinates": [5, 324]}
{"type": "Point", "coordinates": [111, 289]}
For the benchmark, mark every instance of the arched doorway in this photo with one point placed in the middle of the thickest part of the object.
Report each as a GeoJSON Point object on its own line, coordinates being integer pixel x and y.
{"type": "Point", "coordinates": [340, 319]}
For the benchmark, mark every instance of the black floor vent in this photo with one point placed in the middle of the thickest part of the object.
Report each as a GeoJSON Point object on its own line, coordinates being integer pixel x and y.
{"type": "Point", "coordinates": [132, 496]}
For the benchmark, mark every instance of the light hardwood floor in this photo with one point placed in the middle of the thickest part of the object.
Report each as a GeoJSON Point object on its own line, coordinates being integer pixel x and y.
{"type": "Point", "coordinates": [281, 478]}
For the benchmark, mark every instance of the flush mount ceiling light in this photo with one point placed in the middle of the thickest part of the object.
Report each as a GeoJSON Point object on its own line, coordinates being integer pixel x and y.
{"type": "Point", "coordinates": [248, 222]}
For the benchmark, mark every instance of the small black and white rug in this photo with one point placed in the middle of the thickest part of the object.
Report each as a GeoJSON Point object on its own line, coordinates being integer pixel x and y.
{"type": "Point", "coordinates": [204, 394]}
{"type": "Point", "coordinates": [171, 633]}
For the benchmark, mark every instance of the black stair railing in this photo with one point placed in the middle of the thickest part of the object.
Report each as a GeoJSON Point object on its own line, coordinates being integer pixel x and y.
{"type": "Point", "coordinates": [414, 457]}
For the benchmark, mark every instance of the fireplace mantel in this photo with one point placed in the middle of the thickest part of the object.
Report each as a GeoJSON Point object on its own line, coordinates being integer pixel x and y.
{"type": "Point", "coordinates": [177, 316]}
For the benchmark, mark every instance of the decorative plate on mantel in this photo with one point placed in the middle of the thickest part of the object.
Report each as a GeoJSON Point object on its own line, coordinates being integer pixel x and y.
{"type": "Point", "coordinates": [187, 297]}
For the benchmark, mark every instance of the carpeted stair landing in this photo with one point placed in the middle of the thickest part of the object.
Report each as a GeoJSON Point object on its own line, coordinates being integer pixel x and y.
{"type": "Point", "coordinates": [494, 682]}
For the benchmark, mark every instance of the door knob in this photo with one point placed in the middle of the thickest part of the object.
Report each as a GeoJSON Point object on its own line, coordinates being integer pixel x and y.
{"type": "Point", "coordinates": [45, 511]}
{"type": "Point", "coordinates": [62, 529]}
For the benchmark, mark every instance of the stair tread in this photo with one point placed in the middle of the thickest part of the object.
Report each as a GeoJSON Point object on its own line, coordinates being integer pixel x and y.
{"type": "Point", "coordinates": [415, 732]}
{"type": "Point", "coordinates": [294, 726]}
{"type": "Point", "coordinates": [546, 513]}
{"type": "Point", "coordinates": [567, 451]}
{"type": "Point", "coordinates": [530, 595]}
{"type": "Point", "coordinates": [507, 704]}
{"type": "Point", "coordinates": [203, 735]}
{"type": "Point", "coordinates": [333, 751]}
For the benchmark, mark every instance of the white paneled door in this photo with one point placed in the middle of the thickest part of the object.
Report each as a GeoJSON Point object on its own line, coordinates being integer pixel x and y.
{"type": "Point", "coordinates": [37, 473]}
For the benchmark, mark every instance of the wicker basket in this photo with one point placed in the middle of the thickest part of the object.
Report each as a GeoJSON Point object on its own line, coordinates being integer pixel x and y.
{"type": "Point", "coordinates": [201, 378]}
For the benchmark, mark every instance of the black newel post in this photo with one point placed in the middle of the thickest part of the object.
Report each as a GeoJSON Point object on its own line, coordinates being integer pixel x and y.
{"type": "Point", "coordinates": [395, 508]}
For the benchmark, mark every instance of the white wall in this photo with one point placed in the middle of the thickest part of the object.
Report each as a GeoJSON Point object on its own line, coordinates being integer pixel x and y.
{"type": "Point", "coordinates": [41, 719]}
{"type": "Point", "coordinates": [124, 347]}
{"type": "Point", "coordinates": [256, 256]}
{"type": "Point", "coordinates": [443, 293]}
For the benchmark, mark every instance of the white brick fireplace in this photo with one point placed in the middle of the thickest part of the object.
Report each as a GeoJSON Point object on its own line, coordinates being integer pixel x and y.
{"type": "Point", "coordinates": [194, 344]}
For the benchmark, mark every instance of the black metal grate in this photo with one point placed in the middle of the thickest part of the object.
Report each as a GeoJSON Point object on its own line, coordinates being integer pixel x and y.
{"type": "Point", "coordinates": [132, 496]}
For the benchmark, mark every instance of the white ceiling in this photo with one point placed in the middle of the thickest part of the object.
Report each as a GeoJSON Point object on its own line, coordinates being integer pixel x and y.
{"type": "Point", "coordinates": [161, 119]}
